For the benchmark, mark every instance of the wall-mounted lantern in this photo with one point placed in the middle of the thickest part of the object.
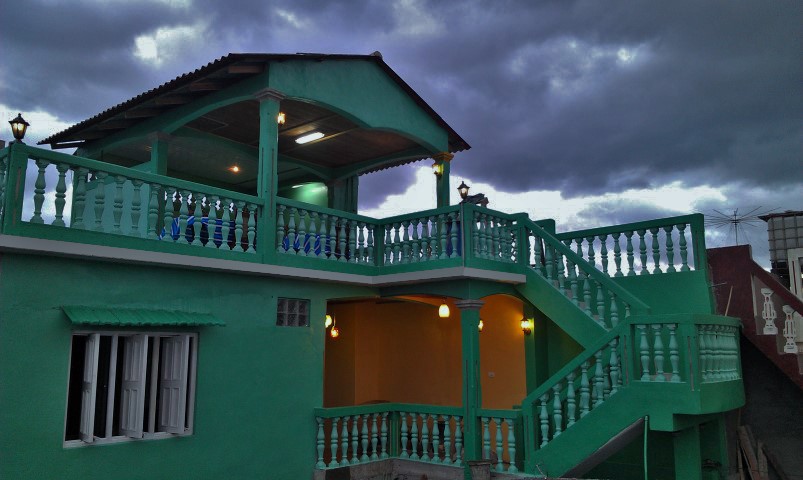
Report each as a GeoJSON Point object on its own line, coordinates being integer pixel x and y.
{"type": "Point", "coordinates": [437, 169]}
{"type": "Point", "coordinates": [18, 127]}
{"type": "Point", "coordinates": [463, 190]}
{"type": "Point", "coordinates": [526, 326]}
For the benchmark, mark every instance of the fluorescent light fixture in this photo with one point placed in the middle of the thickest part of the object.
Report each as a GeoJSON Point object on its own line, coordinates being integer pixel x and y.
{"type": "Point", "coordinates": [308, 138]}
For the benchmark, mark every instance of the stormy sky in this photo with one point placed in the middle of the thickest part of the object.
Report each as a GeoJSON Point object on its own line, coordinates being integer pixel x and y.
{"type": "Point", "coordinates": [590, 112]}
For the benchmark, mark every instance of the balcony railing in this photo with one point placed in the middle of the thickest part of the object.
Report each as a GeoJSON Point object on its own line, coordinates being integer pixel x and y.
{"type": "Point", "coordinates": [87, 201]}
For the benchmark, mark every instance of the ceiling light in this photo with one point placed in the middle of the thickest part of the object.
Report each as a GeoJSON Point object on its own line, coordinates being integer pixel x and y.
{"type": "Point", "coordinates": [309, 137]}
{"type": "Point", "coordinates": [328, 320]}
{"type": "Point", "coordinates": [234, 168]}
{"type": "Point", "coordinates": [443, 310]}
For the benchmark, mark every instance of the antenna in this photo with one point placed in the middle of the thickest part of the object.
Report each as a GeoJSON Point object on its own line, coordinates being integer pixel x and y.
{"type": "Point", "coordinates": [736, 222]}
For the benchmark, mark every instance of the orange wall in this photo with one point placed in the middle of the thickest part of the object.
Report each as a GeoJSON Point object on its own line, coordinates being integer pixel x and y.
{"type": "Point", "coordinates": [403, 352]}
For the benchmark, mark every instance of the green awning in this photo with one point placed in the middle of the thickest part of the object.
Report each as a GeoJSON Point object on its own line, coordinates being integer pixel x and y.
{"type": "Point", "coordinates": [137, 317]}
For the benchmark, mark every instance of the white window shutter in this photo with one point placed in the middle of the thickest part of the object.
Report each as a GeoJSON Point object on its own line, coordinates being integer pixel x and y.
{"type": "Point", "coordinates": [132, 401]}
{"type": "Point", "coordinates": [89, 388]}
{"type": "Point", "coordinates": [173, 383]}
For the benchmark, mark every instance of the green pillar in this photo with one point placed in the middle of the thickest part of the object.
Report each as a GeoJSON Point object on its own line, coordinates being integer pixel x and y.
{"type": "Point", "coordinates": [714, 445]}
{"type": "Point", "coordinates": [268, 180]}
{"type": "Point", "coordinates": [343, 194]}
{"type": "Point", "coordinates": [472, 393]}
{"type": "Point", "coordinates": [688, 461]}
{"type": "Point", "coordinates": [159, 145]}
{"type": "Point", "coordinates": [443, 160]}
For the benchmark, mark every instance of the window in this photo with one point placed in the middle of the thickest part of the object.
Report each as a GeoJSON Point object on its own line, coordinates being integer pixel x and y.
{"type": "Point", "coordinates": [130, 385]}
{"type": "Point", "coordinates": [292, 312]}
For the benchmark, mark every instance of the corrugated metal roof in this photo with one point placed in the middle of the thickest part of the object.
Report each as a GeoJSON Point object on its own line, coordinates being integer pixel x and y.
{"type": "Point", "coordinates": [137, 317]}
{"type": "Point", "coordinates": [456, 143]}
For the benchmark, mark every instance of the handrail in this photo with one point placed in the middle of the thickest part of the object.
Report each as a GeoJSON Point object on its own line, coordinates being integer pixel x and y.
{"type": "Point", "coordinates": [658, 222]}
{"type": "Point", "coordinates": [638, 306]}
{"type": "Point", "coordinates": [331, 412]}
{"type": "Point", "coordinates": [328, 211]}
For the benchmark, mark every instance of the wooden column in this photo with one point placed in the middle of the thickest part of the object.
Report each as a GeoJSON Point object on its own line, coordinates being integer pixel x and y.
{"type": "Point", "coordinates": [268, 179]}
{"type": "Point", "coordinates": [159, 144]}
{"type": "Point", "coordinates": [442, 190]}
{"type": "Point", "coordinates": [472, 393]}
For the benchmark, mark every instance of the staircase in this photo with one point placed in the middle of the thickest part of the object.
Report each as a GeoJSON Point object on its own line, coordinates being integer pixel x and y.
{"type": "Point", "coordinates": [638, 369]}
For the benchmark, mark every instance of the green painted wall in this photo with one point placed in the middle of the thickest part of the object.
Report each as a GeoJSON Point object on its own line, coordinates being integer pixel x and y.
{"type": "Point", "coordinates": [256, 385]}
{"type": "Point", "coordinates": [313, 192]}
{"type": "Point", "coordinates": [355, 89]}
{"type": "Point", "coordinates": [682, 292]}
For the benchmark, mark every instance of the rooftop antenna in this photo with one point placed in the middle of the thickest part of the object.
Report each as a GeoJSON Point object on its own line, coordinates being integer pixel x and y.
{"type": "Point", "coordinates": [736, 222]}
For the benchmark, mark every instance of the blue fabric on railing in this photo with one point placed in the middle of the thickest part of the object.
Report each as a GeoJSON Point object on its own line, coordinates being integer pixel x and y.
{"type": "Point", "coordinates": [189, 232]}
{"type": "Point", "coordinates": [311, 242]}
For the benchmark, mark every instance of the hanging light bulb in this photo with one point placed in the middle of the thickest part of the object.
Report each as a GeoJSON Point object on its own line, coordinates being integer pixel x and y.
{"type": "Point", "coordinates": [480, 325]}
{"type": "Point", "coordinates": [443, 310]}
{"type": "Point", "coordinates": [328, 321]}
{"type": "Point", "coordinates": [334, 332]}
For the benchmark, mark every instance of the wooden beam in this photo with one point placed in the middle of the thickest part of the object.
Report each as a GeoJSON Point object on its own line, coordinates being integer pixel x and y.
{"type": "Point", "coordinates": [143, 113]}
{"type": "Point", "coordinates": [115, 124]}
{"type": "Point", "coordinates": [205, 86]}
{"type": "Point", "coordinates": [246, 68]}
{"type": "Point", "coordinates": [173, 100]}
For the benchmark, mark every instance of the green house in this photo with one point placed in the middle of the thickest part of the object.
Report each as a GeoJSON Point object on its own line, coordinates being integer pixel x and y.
{"type": "Point", "coordinates": [164, 292]}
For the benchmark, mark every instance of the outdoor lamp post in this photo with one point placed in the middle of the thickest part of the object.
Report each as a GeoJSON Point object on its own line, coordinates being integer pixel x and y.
{"type": "Point", "coordinates": [18, 128]}
{"type": "Point", "coordinates": [463, 189]}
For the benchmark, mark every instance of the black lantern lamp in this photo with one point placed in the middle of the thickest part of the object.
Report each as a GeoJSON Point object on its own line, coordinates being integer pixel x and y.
{"type": "Point", "coordinates": [18, 127]}
{"type": "Point", "coordinates": [463, 189]}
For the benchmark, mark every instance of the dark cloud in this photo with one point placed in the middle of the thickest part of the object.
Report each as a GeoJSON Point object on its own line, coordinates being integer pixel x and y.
{"type": "Point", "coordinates": [581, 96]}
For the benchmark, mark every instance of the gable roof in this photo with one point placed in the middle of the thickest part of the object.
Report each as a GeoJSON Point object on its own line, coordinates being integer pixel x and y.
{"type": "Point", "coordinates": [220, 73]}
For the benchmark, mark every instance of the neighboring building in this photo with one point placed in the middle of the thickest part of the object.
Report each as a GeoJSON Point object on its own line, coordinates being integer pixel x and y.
{"type": "Point", "coordinates": [785, 232]}
{"type": "Point", "coordinates": [163, 295]}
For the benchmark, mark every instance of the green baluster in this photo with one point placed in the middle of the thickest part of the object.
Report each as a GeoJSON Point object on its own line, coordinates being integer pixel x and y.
{"type": "Point", "coordinates": [499, 445]}
{"type": "Point", "coordinates": [659, 353]}
{"type": "Point", "coordinates": [674, 357]}
{"type": "Point", "coordinates": [587, 294]}
{"type": "Point", "coordinates": [424, 438]}
{"type": "Point", "coordinates": [486, 439]}
{"type": "Point", "coordinates": [539, 268]}
{"type": "Point", "coordinates": [617, 254]}
{"type": "Point", "coordinates": [352, 256]}
{"type": "Point", "coordinates": [571, 402]}
{"type": "Point", "coordinates": [511, 446]}
{"type": "Point", "coordinates": [606, 382]}
{"type": "Point", "coordinates": [355, 438]}
{"type": "Point", "coordinates": [436, 457]}
{"type": "Point", "coordinates": [302, 233]}
{"type": "Point", "coordinates": [369, 258]}
{"type": "Point", "coordinates": [313, 231]}
{"type": "Point", "coordinates": [703, 349]}
{"type": "Point", "coordinates": [183, 216]}
{"type": "Point", "coordinates": [225, 228]}
{"type": "Point", "coordinates": [333, 237]}
{"type": "Point", "coordinates": [319, 444]}
{"type": "Point", "coordinates": [475, 234]}
{"type": "Point", "coordinates": [644, 349]}
{"type": "Point", "coordinates": [364, 457]}
{"type": "Point", "coordinates": [238, 227]}
{"type": "Point", "coordinates": [414, 437]}
{"type": "Point", "coordinates": [442, 235]}
{"type": "Point", "coordinates": [579, 247]}
{"type": "Point", "coordinates": [384, 436]}
{"type": "Point", "coordinates": [642, 248]}
{"type": "Point", "coordinates": [424, 239]}
{"type": "Point", "coordinates": [404, 437]}
{"type": "Point", "coordinates": [585, 387]}
{"type": "Point", "coordinates": [716, 341]}
{"type": "Point", "coordinates": [212, 216]}
{"type": "Point", "coordinates": [61, 195]}
{"type": "Point", "coordinates": [153, 210]}
{"type": "Point", "coordinates": [405, 246]}
{"type": "Point", "coordinates": [600, 305]}
{"type": "Point", "coordinates": [573, 282]}
{"type": "Point", "coordinates": [549, 263]}
{"type": "Point", "coordinates": [397, 250]}
{"type": "Point", "coordinates": [79, 199]}
{"type": "Point", "coordinates": [454, 230]}
{"type": "Point", "coordinates": [684, 254]}
{"type": "Point", "coordinates": [388, 242]}
{"type": "Point", "coordinates": [557, 410]}
{"type": "Point", "coordinates": [433, 238]}
{"type": "Point", "coordinates": [447, 440]}
{"type": "Point", "coordinates": [670, 249]}
{"type": "Point", "coordinates": [374, 437]}
{"type": "Point", "coordinates": [360, 257]}
{"type": "Point", "coordinates": [323, 241]}
{"type": "Point", "coordinates": [333, 443]}
{"type": "Point", "coordinates": [656, 250]}
{"type": "Point", "coordinates": [603, 253]}
{"type": "Point", "coordinates": [630, 259]}
{"type": "Point", "coordinates": [561, 272]}
{"type": "Point", "coordinates": [458, 441]}
{"type": "Point", "coordinates": [279, 228]}
{"type": "Point", "coordinates": [543, 416]}
{"type": "Point", "coordinates": [614, 366]}
{"type": "Point", "coordinates": [599, 381]}
{"type": "Point", "coordinates": [614, 309]}
{"type": "Point", "coordinates": [39, 191]}
{"type": "Point", "coordinates": [198, 213]}
{"type": "Point", "coordinates": [252, 228]}
{"type": "Point", "coordinates": [136, 207]}
{"type": "Point", "coordinates": [100, 199]}
{"type": "Point", "coordinates": [591, 258]}
{"type": "Point", "coordinates": [291, 231]}
{"type": "Point", "coordinates": [497, 240]}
